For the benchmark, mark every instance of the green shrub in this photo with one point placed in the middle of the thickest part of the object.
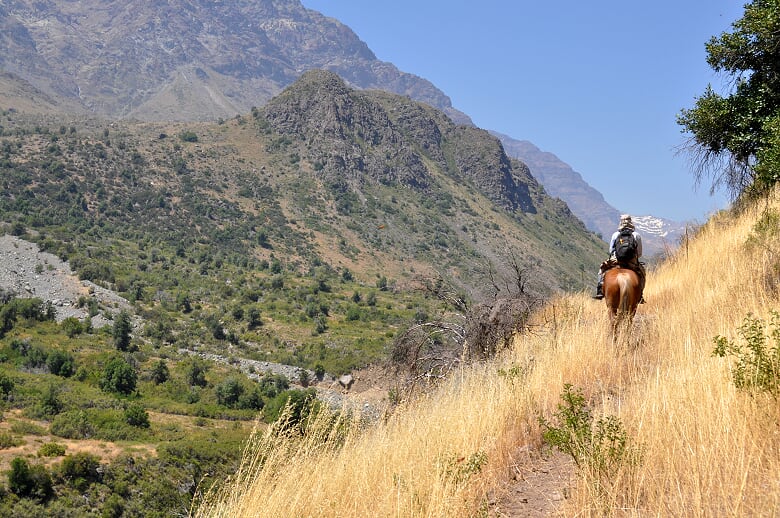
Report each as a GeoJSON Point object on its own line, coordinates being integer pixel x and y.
{"type": "Point", "coordinates": [272, 384]}
{"type": "Point", "coordinates": [295, 406]}
{"type": "Point", "coordinates": [121, 331]}
{"type": "Point", "coordinates": [196, 373]}
{"type": "Point", "coordinates": [27, 428]}
{"type": "Point", "coordinates": [757, 355]}
{"type": "Point", "coordinates": [160, 372]}
{"type": "Point", "coordinates": [188, 136]}
{"type": "Point", "coordinates": [72, 425]}
{"type": "Point", "coordinates": [118, 377]}
{"type": "Point", "coordinates": [51, 449]}
{"type": "Point", "coordinates": [9, 441]}
{"type": "Point", "coordinates": [80, 470]}
{"type": "Point", "coordinates": [50, 403]}
{"type": "Point", "coordinates": [29, 481]}
{"type": "Point", "coordinates": [599, 447]}
{"type": "Point", "coordinates": [72, 326]}
{"type": "Point", "coordinates": [136, 415]}
{"type": "Point", "coordinates": [228, 392]}
{"type": "Point", "coordinates": [61, 363]}
{"type": "Point", "coordinates": [6, 385]}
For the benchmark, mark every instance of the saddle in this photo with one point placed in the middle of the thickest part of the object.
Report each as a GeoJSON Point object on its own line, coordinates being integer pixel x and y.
{"type": "Point", "coordinates": [612, 263]}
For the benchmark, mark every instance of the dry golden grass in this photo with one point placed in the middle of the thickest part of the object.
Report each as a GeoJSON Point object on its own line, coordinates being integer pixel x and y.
{"type": "Point", "coordinates": [708, 449]}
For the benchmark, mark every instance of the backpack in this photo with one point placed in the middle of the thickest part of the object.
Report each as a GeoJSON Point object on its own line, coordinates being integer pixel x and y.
{"type": "Point", "coordinates": [625, 246]}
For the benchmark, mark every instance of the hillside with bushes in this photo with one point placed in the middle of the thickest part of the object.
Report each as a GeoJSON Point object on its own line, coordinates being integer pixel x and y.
{"type": "Point", "coordinates": [166, 287]}
{"type": "Point", "coordinates": [680, 419]}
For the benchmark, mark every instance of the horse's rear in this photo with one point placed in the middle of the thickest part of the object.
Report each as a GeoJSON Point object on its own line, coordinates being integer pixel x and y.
{"type": "Point", "coordinates": [621, 294]}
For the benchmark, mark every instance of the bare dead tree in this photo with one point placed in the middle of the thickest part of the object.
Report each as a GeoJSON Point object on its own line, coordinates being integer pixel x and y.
{"type": "Point", "coordinates": [428, 350]}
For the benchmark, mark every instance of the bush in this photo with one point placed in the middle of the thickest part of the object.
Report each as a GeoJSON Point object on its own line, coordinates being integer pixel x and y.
{"type": "Point", "coordinates": [598, 447]}
{"type": "Point", "coordinates": [80, 470]}
{"type": "Point", "coordinates": [72, 326]}
{"type": "Point", "coordinates": [121, 331]}
{"type": "Point", "coordinates": [118, 376]}
{"type": "Point", "coordinates": [228, 392]}
{"type": "Point", "coordinates": [29, 481]}
{"type": "Point", "coordinates": [9, 441]}
{"type": "Point", "coordinates": [51, 449]}
{"type": "Point", "coordinates": [72, 425]}
{"type": "Point", "coordinates": [188, 136]}
{"type": "Point", "coordinates": [160, 372]}
{"type": "Point", "coordinates": [196, 373]}
{"type": "Point", "coordinates": [61, 363]}
{"type": "Point", "coordinates": [273, 384]}
{"type": "Point", "coordinates": [27, 428]}
{"type": "Point", "coordinates": [757, 365]}
{"type": "Point", "coordinates": [136, 415]}
{"type": "Point", "coordinates": [50, 403]}
{"type": "Point", "coordinates": [294, 405]}
{"type": "Point", "coordinates": [252, 400]}
{"type": "Point", "coordinates": [6, 385]}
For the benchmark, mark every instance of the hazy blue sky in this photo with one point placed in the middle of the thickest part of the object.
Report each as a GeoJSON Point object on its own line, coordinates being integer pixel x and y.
{"type": "Point", "coordinates": [598, 84]}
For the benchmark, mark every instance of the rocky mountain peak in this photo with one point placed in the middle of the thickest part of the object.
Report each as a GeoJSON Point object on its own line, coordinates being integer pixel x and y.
{"type": "Point", "coordinates": [357, 135]}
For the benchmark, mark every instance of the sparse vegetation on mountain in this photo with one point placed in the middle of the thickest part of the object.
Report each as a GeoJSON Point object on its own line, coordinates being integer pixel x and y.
{"type": "Point", "coordinates": [234, 245]}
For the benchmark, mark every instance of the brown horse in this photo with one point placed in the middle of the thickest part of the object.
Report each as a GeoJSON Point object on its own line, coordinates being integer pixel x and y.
{"type": "Point", "coordinates": [621, 293]}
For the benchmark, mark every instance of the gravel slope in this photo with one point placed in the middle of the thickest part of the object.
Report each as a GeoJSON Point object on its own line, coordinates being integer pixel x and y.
{"type": "Point", "coordinates": [27, 272]}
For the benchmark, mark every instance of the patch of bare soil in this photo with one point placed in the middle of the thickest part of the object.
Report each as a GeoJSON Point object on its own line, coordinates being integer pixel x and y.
{"type": "Point", "coordinates": [539, 487]}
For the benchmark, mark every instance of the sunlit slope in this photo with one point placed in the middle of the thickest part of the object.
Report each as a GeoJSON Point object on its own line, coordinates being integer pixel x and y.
{"type": "Point", "coordinates": [707, 448]}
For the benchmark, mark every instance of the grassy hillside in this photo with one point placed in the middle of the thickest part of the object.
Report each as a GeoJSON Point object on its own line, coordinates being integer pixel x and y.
{"type": "Point", "coordinates": [281, 239]}
{"type": "Point", "coordinates": [699, 440]}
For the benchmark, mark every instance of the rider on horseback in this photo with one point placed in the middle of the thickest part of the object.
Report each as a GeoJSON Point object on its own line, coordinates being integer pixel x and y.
{"type": "Point", "coordinates": [625, 249]}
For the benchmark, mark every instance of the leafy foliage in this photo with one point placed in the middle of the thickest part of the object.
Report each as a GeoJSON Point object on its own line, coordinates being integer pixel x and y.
{"type": "Point", "coordinates": [29, 481]}
{"type": "Point", "coordinates": [736, 137]}
{"type": "Point", "coordinates": [756, 357]}
{"type": "Point", "coordinates": [599, 447]}
{"type": "Point", "coordinates": [118, 376]}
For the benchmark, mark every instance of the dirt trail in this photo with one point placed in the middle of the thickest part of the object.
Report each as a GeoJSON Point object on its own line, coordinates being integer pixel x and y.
{"type": "Point", "coordinates": [539, 487]}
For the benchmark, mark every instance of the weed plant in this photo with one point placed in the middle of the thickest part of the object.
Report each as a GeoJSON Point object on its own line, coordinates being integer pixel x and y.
{"type": "Point", "coordinates": [756, 356]}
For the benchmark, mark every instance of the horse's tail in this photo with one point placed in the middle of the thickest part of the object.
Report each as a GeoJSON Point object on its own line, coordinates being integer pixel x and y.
{"type": "Point", "coordinates": [625, 294]}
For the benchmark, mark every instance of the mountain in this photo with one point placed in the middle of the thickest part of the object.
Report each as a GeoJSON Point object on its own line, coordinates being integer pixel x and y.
{"type": "Point", "coordinates": [184, 59]}
{"type": "Point", "coordinates": [659, 235]}
{"type": "Point", "coordinates": [193, 60]}
{"type": "Point", "coordinates": [360, 179]}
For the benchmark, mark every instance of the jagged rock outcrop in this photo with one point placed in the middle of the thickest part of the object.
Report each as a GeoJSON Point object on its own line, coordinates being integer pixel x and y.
{"type": "Point", "coordinates": [356, 135]}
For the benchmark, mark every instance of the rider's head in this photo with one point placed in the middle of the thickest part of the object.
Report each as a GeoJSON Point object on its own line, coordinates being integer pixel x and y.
{"type": "Point", "coordinates": [625, 222]}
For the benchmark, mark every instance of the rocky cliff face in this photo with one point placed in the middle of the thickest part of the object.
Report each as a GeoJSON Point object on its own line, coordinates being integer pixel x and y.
{"type": "Point", "coordinates": [185, 59]}
{"type": "Point", "coordinates": [357, 136]}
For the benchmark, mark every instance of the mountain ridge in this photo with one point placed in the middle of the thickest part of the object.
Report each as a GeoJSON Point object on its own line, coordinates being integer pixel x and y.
{"type": "Point", "coordinates": [187, 60]}
{"type": "Point", "coordinates": [660, 235]}
{"type": "Point", "coordinates": [194, 60]}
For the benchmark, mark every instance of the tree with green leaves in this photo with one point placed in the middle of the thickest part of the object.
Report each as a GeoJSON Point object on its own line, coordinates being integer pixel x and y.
{"type": "Point", "coordinates": [160, 372]}
{"type": "Point", "coordinates": [121, 332]}
{"type": "Point", "coordinates": [118, 376]}
{"type": "Point", "coordinates": [735, 139]}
